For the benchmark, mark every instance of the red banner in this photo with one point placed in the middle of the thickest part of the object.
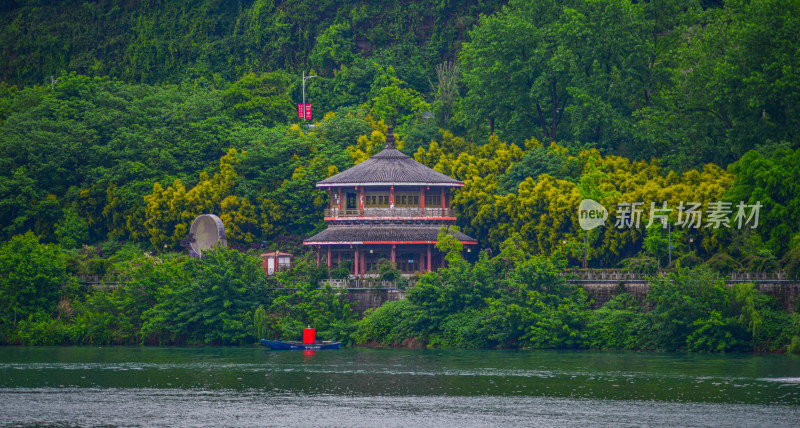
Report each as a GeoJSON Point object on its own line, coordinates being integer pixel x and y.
{"type": "Point", "coordinates": [307, 111]}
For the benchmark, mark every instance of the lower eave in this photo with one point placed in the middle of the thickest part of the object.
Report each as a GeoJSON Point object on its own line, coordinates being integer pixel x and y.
{"type": "Point", "coordinates": [360, 234]}
{"type": "Point", "coordinates": [367, 219]}
{"type": "Point", "coordinates": [379, 242]}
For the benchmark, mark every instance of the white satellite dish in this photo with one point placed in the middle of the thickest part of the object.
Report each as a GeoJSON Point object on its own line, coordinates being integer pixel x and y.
{"type": "Point", "coordinates": [207, 231]}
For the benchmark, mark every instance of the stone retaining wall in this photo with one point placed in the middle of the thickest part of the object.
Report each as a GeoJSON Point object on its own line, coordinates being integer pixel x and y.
{"type": "Point", "coordinates": [362, 299]}
{"type": "Point", "coordinates": [788, 294]}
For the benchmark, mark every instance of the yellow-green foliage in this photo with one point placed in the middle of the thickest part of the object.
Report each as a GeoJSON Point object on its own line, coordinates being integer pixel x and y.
{"type": "Point", "coordinates": [544, 209]}
{"type": "Point", "coordinates": [367, 146]}
{"type": "Point", "coordinates": [170, 211]}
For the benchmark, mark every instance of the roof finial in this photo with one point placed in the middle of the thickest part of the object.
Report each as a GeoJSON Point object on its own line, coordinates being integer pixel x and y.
{"type": "Point", "coordinates": [390, 137]}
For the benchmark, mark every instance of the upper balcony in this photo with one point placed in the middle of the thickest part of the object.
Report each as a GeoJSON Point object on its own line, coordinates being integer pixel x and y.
{"type": "Point", "coordinates": [391, 213]}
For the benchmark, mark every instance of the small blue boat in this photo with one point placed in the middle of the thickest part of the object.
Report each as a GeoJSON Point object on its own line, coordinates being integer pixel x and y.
{"type": "Point", "coordinates": [300, 346]}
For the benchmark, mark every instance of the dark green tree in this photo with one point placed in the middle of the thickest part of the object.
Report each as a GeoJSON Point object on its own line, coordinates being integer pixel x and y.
{"type": "Point", "coordinates": [214, 306]}
{"type": "Point", "coordinates": [571, 68]}
{"type": "Point", "coordinates": [32, 276]}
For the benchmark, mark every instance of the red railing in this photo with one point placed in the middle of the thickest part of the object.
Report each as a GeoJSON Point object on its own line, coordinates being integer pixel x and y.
{"type": "Point", "coordinates": [389, 212]}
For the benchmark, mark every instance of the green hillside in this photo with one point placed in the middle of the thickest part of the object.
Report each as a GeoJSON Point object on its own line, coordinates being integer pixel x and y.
{"type": "Point", "coordinates": [172, 41]}
{"type": "Point", "coordinates": [160, 111]}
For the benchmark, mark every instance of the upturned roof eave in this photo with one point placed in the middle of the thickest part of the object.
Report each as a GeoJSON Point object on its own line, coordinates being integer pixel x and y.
{"type": "Point", "coordinates": [395, 183]}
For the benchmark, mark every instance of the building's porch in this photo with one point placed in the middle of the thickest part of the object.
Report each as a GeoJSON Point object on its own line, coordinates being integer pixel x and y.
{"type": "Point", "coordinates": [363, 260]}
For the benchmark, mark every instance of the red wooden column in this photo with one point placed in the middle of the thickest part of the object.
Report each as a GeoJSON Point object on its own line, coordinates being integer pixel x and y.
{"type": "Point", "coordinates": [355, 260]}
{"type": "Point", "coordinates": [429, 258]}
{"type": "Point", "coordinates": [317, 255]}
{"type": "Point", "coordinates": [340, 198]}
{"type": "Point", "coordinates": [329, 256]}
{"type": "Point", "coordinates": [361, 200]}
{"type": "Point", "coordinates": [442, 201]}
{"type": "Point", "coordinates": [422, 199]}
{"type": "Point", "coordinates": [393, 255]}
{"type": "Point", "coordinates": [391, 197]}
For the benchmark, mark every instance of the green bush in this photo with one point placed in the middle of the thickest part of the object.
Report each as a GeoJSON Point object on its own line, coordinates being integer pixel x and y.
{"type": "Point", "coordinates": [643, 265]}
{"type": "Point", "coordinates": [777, 330]}
{"type": "Point", "coordinates": [260, 323]}
{"type": "Point", "coordinates": [32, 276]}
{"type": "Point", "coordinates": [716, 334]}
{"type": "Point", "coordinates": [615, 325]}
{"type": "Point", "coordinates": [723, 263]}
{"type": "Point", "coordinates": [40, 329]}
{"type": "Point", "coordinates": [463, 330]}
{"type": "Point", "coordinates": [214, 305]}
{"type": "Point", "coordinates": [392, 323]}
{"type": "Point", "coordinates": [342, 271]}
{"type": "Point", "coordinates": [794, 347]}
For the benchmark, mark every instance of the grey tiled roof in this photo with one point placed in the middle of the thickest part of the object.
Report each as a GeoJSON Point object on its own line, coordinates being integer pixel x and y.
{"type": "Point", "coordinates": [390, 167]}
{"type": "Point", "coordinates": [385, 234]}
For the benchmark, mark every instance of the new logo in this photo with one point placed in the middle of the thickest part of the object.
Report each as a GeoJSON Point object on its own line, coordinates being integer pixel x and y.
{"type": "Point", "coordinates": [591, 214]}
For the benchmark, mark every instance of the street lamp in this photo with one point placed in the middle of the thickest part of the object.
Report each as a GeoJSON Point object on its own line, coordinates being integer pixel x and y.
{"type": "Point", "coordinates": [669, 241]}
{"type": "Point", "coordinates": [304, 91]}
{"type": "Point", "coordinates": [586, 250]}
{"type": "Point", "coordinates": [669, 238]}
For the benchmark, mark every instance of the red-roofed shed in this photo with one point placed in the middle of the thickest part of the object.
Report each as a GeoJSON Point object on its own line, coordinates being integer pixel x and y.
{"type": "Point", "coordinates": [276, 261]}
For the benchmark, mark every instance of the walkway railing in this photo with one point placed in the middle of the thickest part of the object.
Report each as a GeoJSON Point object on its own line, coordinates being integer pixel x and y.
{"type": "Point", "coordinates": [112, 281]}
{"type": "Point", "coordinates": [389, 212]}
{"type": "Point", "coordinates": [103, 281]}
{"type": "Point", "coordinates": [364, 283]}
{"type": "Point", "coordinates": [605, 275]}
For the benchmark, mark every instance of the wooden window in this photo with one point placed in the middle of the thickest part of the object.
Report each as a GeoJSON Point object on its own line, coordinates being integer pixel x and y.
{"type": "Point", "coordinates": [376, 199]}
{"type": "Point", "coordinates": [408, 262]}
{"type": "Point", "coordinates": [406, 199]}
{"type": "Point", "coordinates": [433, 199]}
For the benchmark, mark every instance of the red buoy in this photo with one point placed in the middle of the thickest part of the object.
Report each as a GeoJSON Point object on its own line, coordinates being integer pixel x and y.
{"type": "Point", "coordinates": [308, 335]}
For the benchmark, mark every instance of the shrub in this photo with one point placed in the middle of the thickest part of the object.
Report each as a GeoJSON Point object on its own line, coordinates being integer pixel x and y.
{"type": "Point", "coordinates": [387, 324]}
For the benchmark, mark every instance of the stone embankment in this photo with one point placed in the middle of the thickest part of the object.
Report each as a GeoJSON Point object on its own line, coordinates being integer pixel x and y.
{"type": "Point", "coordinates": [601, 286]}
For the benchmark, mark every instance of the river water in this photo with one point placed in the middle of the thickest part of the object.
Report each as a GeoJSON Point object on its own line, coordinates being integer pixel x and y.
{"type": "Point", "coordinates": [119, 386]}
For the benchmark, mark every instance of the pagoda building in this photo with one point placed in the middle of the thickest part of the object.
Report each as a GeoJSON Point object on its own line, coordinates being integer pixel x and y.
{"type": "Point", "coordinates": [387, 207]}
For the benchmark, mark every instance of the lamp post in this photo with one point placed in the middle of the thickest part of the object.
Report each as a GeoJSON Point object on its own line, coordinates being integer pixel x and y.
{"type": "Point", "coordinates": [669, 239]}
{"type": "Point", "coordinates": [585, 250]}
{"type": "Point", "coordinates": [304, 92]}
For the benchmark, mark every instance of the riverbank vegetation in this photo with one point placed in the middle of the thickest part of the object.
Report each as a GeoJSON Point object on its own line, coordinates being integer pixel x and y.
{"type": "Point", "coordinates": [113, 139]}
{"type": "Point", "coordinates": [512, 300]}
{"type": "Point", "coordinates": [516, 300]}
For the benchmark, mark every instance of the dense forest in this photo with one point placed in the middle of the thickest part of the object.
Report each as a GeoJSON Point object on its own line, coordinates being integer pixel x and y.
{"type": "Point", "coordinates": [121, 121]}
